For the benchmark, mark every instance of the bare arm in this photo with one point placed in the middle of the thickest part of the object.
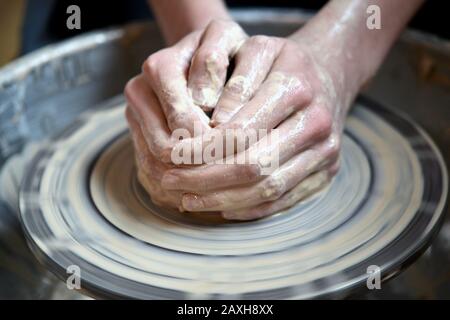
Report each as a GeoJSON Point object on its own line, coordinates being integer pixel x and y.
{"type": "Point", "coordinates": [177, 18]}
{"type": "Point", "coordinates": [338, 35]}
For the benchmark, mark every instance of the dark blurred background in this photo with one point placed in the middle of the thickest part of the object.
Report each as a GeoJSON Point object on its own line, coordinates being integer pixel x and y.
{"type": "Point", "coordinates": [40, 22]}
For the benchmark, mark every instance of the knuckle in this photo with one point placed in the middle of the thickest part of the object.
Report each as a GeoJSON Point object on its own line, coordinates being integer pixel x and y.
{"type": "Point", "coordinates": [300, 57]}
{"type": "Point", "coordinates": [302, 90]}
{"type": "Point", "coordinates": [266, 47]}
{"type": "Point", "coordinates": [334, 169]}
{"type": "Point", "coordinates": [129, 115]}
{"type": "Point", "coordinates": [298, 89]}
{"type": "Point", "coordinates": [223, 24]}
{"type": "Point", "coordinates": [250, 172]}
{"type": "Point", "coordinates": [333, 146]}
{"type": "Point", "coordinates": [143, 162]}
{"type": "Point", "coordinates": [130, 87]}
{"type": "Point", "coordinates": [217, 23]}
{"type": "Point", "coordinates": [151, 65]}
{"type": "Point", "coordinates": [176, 119]}
{"type": "Point", "coordinates": [155, 62]}
{"type": "Point", "coordinates": [239, 86]}
{"type": "Point", "coordinates": [133, 90]}
{"type": "Point", "coordinates": [323, 121]}
{"type": "Point", "coordinates": [262, 42]}
{"type": "Point", "coordinates": [308, 92]}
{"type": "Point", "coordinates": [272, 189]}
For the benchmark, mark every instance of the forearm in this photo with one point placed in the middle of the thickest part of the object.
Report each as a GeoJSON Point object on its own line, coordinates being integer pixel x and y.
{"type": "Point", "coordinates": [345, 44]}
{"type": "Point", "coordinates": [177, 18]}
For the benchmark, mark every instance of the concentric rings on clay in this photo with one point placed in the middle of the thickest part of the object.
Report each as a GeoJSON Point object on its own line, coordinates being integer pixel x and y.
{"type": "Point", "coordinates": [81, 205]}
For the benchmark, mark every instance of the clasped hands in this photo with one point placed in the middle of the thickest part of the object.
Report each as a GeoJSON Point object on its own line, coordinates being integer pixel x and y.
{"type": "Point", "coordinates": [275, 84]}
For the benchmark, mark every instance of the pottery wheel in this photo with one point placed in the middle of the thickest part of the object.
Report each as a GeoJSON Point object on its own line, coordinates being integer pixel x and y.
{"type": "Point", "coordinates": [81, 204]}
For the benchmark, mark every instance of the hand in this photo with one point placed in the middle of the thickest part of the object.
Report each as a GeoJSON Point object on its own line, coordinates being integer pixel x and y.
{"type": "Point", "coordinates": [175, 83]}
{"type": "Point", "coordinates": [291, 91]}
{"type": "Point", "coordinates": [190, 75]}
{"type": "Point", "coordinates": [153, 135]}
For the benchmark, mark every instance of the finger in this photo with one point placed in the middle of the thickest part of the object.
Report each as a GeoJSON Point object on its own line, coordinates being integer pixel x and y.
{"type": "Point", "coordinates": [282, 93]}
{"type": "Point", "coordinates": [276, 99]}
{"type": "Point", "coordinates": [253, 62]}
{"type": "Point", "coordinates": [296, 134]}
{"type": "Point", "coordinates": [198, 179]}
{"type": "Point", "coordinates": [149, 169]}
{"type": "Point", "coordinates": [273, 187]}
{"type": "Point", "coordinates": [165, 72]}
{"type": "Point", "coordinates": [310, 185]}
{"type": "Point", "coordinates": [158, 195]}
{"type": "Point", "coordinates": [143, 106]}
{"type": "Point", "coordinates": [144, 158]}
{"type": "Point", "coordinates": [208, 70]}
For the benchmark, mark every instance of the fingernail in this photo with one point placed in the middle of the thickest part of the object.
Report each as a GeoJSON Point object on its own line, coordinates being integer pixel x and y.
{"type": "Point", "coordinates": [192, 202]}
{"type": "Point", "coordinates": [222, 116]}
{"type": "Point", "coordinates": [170, 181]}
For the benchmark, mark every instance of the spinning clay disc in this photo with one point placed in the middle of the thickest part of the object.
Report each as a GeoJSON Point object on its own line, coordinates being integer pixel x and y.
{"type": "Point", "coordinates": [81, 204]}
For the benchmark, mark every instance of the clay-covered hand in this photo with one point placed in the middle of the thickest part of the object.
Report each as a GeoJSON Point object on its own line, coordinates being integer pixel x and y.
{"type": "Point", "coordinates": [150, 136]}
{"type": "Point", "coordinates": [277, 84]}
{"type": "Point", "coordinates": [190, 75]}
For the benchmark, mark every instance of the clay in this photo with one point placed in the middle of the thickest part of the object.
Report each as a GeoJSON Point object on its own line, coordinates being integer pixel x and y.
{"type": "Point", "coordinates": [120, 238]}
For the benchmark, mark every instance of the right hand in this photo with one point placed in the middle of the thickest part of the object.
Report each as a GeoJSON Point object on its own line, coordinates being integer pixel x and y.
{"type": "Point", "coordinates": [150, 140]}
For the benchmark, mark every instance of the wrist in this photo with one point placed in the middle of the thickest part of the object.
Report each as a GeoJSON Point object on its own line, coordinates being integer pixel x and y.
{"type": "Point", "coordinates": [339, 75]}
